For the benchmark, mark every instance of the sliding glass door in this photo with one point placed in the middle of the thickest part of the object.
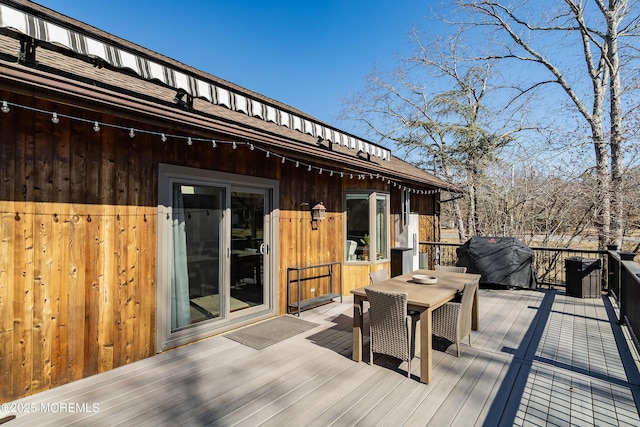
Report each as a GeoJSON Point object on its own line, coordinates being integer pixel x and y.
{"type": "Point", "coordinates": [197, 265]}
{"type": "Point", "coordinates": [248, 248]}
{"type": "Point", "coordinates": [214, 253]}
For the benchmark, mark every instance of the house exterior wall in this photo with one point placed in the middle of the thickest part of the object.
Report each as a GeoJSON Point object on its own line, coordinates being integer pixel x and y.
{"type": "Point", "coordinates": [78, 237]}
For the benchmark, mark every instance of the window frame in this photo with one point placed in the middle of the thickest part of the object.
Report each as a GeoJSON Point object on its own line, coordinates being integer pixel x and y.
{"type": "Point", "coordinates": [372, 198]}
{"type": "Point", "coordinates": [167, 175]}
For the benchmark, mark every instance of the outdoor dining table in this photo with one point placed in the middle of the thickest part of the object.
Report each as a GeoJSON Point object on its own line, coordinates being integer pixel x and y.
{"type": "Point", "coordinates": [421, 298]}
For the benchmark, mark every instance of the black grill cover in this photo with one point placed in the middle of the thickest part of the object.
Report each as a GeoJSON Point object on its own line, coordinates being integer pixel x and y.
{"type": "Point", "coordinates": [500, 260]}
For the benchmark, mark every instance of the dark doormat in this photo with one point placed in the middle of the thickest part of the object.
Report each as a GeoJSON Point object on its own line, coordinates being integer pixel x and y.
{"type": "Point", "coordinates": [264, 334]}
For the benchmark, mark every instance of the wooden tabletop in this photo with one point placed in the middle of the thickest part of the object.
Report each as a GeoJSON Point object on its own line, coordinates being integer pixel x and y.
{"type": "Point", "coordinates": [423, 295]}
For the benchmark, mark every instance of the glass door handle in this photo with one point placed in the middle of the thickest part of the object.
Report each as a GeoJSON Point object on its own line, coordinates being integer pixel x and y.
{"type": "Point", "coordinates": [262, 249]}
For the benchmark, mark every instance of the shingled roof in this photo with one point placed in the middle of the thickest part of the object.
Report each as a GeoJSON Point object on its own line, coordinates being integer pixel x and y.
{"type": "Point", "coordinates": [74, 56]}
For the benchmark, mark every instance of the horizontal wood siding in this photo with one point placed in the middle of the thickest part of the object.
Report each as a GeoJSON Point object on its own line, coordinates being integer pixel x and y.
{"type": "Point", "coordinates": [78, 238]}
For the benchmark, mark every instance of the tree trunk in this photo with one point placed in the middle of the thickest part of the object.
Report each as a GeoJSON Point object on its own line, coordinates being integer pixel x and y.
{"type": "Point", "coordinates": [472, 214]}
{"type": "Point", "coordinates": [462, 232]}
{"type": "Point", "coordinates": [613, 17]}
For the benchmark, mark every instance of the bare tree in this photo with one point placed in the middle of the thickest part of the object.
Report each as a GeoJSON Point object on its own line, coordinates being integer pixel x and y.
{"type": "Point", "coordinates": [599, 45]}
{"type": "Point", "coordinates": [446, 130]}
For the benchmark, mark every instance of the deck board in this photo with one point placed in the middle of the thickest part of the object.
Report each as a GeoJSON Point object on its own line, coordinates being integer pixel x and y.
{"type": "Point", "coordinates": [550, 357]}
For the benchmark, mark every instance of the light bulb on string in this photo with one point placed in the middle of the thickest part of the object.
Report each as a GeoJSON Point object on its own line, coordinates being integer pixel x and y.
{"type": "Point", "coordinates": [320, 173]}
{"type": "Point", "coordinates": [189, 141]}
{"type": "Point", "coordinates": [131, 133]}
{"type": "Point", "coordinates": [234, 145]}
{"type": "Point", "coordinates": [5, 108]}
{"type": "Point", "coordinates": [268, 154]}
{"type": "Point", "coordinates": [251, 147]}
{"type": "Point", "coordinates": [297, 164]}
{"type": "Point", "coordinates": [283, 159]}
{"type": "Point", "coordinates": [163, 137]}
{"type": "Point", "coordinates": [54, 119]}
{"type": "Point", "coordinates": [96, 127]}
{"type": "Point", "coordinates": [213, 143]}
{"type": "Point", "coordinates": [309, 168]}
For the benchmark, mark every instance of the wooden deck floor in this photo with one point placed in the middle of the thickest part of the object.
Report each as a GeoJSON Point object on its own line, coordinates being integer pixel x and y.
{"type": "Point", "coordinates": [539, 358]}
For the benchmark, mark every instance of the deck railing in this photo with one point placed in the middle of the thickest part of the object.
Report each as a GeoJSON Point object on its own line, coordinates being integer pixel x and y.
{"type": "Point", "coordinates": [549, 263]}
{"type": "Point", "coordinates": [624, 276]}
{"type": "Point", "coordinates": [620, 275]}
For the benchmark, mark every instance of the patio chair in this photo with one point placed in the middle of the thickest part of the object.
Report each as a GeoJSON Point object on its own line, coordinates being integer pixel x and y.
{"type": "Point", "coordinates": [391, 329]}
{"type": "Point", "coordinates": [379, 276]}
{"type": "Point", "coordinates": [450, 268]}
{"type": "Point", "coordinates": [453, 320]}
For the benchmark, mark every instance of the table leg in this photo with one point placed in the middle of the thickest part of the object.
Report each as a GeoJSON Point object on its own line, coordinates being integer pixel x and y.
{"type": "Point", "coordinates": [356, 353]}
{"type": "Point", "coordinates": [426, 344]}
{"type": "Point", "coordinates": [474, 311]}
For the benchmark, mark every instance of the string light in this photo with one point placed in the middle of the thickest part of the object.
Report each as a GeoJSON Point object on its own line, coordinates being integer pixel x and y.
{"type": "Point", "coordinates": [5, 108]}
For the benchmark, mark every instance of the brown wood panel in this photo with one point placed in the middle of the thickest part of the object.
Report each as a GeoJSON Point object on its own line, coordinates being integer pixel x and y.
{"type": "Point", "coordinates": [78, 229]}
{"type": "Point", "coordinates": [43, 242]}
{"type": "Point", "coordinates": [7, 295]}
{"type": "Point", "coordinates": [76, 276]}
{"type": "Point", "coordinates": [23, 267]}
{"type": "Point", "coordinates": [59, 338]}
{"type": "Point", "coordinates": [8, 141]}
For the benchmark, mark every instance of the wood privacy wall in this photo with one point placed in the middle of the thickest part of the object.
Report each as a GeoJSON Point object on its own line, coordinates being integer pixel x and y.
{"type": "Point", "coordinates": [78, 238]}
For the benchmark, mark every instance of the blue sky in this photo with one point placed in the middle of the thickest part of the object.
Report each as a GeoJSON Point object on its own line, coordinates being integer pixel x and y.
{"type": "Point", "coordinates": [306, 53]}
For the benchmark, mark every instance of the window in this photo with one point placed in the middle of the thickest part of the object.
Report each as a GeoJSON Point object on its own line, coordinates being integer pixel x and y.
{"type": "Point", "coordinates": [367, 225]}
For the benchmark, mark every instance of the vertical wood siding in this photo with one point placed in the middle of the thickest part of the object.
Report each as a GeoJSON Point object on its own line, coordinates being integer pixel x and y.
{"type": "Point", "coordinates": [77, 250]}
{"type": "Point", "coordinates": [78, 238]}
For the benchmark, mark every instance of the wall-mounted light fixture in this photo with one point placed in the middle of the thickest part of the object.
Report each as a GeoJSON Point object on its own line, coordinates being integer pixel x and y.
{"type": "Point", "coordinates": [318, 211]}
{"type": "Point", "coordinates": [317, 214]}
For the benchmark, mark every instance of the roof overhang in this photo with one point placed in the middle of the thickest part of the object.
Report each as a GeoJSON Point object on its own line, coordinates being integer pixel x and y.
{"type": "Point", "coordinates": [208, 119]}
